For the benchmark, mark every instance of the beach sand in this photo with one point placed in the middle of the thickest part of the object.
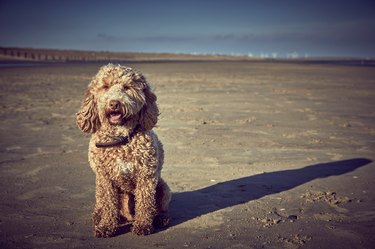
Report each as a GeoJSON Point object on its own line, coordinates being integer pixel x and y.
{"type": "Point", "coordinates": [258, 155]}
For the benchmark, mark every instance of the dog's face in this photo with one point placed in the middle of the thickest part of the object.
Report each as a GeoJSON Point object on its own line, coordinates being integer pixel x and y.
{"type": "Point", "coordinates": [116, 95]}
{"type": "Point", "coordinates": [119, 95]}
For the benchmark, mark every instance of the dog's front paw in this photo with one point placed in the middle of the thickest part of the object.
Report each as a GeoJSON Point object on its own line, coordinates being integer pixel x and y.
{"type": "Point", "coordinates": [141, 229]}
{"type": "Point", "coordinates": [104, 232]}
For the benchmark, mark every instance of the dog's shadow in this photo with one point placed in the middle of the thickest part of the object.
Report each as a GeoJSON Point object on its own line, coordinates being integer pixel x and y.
{"type": "Point", "coordinates": [189, 205]}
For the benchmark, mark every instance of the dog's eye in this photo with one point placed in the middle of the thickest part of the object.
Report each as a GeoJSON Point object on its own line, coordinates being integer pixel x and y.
{"type": "Point", "coordinates": [125, 88]}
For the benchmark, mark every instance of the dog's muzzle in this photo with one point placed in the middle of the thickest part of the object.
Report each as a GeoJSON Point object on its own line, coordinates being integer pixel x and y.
{"type": "Point", "coordinates": [114, 112]}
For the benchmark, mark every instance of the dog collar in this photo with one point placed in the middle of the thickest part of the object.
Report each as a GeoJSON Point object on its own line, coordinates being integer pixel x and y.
{"type": "Point", "coordinates": [118, 140]}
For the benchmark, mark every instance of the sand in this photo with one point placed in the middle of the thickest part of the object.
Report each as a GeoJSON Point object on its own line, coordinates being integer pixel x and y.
{"type": "Point", "coordinates": [258, 155]}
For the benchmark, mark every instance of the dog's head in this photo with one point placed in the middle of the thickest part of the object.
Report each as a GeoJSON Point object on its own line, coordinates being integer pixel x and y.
{"type": "Point", "coordinates": [115, 96]}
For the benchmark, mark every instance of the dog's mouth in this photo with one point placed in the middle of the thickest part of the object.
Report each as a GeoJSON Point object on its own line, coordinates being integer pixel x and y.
{"type": "Point", "coordinates": [114, 117]}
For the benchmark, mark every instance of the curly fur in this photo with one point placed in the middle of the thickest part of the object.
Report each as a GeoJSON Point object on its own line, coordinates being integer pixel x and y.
{"type": "Point", "coordinates": [128, 182]}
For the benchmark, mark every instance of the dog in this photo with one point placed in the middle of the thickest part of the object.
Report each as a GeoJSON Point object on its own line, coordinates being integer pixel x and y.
{"type": "Point", "coordinates": [120, 110]}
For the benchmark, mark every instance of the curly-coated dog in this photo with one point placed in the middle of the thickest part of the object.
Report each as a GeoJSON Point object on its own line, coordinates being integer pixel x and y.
{"type": "Point", "coordinates": [120, 110]}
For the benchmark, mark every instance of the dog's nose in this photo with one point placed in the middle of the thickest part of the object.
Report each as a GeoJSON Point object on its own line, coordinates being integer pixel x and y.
{"type": "Point", "coordinates": [114, 104]}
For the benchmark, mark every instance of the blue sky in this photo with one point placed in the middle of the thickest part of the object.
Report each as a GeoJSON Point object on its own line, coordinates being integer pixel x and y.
{"type": "Point", "coordinates": [316, 28]}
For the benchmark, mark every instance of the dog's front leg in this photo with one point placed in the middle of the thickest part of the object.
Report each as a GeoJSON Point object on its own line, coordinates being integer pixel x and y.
{"type": "Point", "coordinates": [145, 205]}
{"type": "Point", "coordinates": [106, 213]}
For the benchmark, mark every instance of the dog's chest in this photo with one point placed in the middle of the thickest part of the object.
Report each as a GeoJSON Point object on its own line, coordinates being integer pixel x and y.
{"type": "Point", "coordinates": [114, 162]}
{"type": "Point", "coordinates": [124, 168]}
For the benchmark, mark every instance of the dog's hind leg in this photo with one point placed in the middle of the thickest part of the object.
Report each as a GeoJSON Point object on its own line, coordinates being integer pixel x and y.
{"type": "Point", "coordinates": [163, 197]}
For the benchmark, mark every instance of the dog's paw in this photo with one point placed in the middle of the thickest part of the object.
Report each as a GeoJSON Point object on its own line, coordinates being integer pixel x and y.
{"type": "Point", "coordinates": [139, 229]}
{"type": "Point", "coordinates": [104, 232]}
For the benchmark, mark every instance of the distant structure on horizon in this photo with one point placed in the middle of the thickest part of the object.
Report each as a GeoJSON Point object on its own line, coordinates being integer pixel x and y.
{"type": "Point", "coordinates": [56, 55]}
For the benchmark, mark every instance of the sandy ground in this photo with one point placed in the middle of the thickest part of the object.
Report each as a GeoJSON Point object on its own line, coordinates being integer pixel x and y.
{"type": "Point", "coordinates": [258, 155]}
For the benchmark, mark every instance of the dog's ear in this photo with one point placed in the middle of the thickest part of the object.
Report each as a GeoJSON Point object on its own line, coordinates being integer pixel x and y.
{"type": "Point", "coordinates": [87, 118]}
{"type": "Point", "coordinates": [150, 111]}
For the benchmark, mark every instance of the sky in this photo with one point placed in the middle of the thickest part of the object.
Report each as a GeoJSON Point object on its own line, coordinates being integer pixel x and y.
{"type": "Point", "coordinates": [279, 28]}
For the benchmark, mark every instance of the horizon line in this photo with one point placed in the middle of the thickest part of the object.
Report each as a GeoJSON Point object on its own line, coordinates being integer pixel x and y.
{"type": "Point", "coordinates": [14, 52]}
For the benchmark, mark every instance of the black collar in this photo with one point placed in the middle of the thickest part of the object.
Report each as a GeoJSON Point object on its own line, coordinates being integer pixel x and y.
{"type": "Point", "coordinates": [118, 140]}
